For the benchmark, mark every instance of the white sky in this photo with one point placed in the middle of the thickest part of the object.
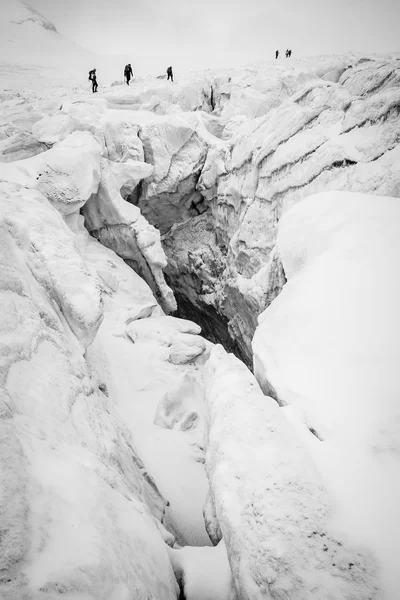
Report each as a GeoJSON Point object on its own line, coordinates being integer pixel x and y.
{"type": "Point", "coordinates": [211, 33]}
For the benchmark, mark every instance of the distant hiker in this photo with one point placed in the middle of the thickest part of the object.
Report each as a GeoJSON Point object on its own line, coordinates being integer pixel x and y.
{"type": "Point", "coordinates": [287, 53]}
{"type": "Point", "coordinates": [290, 53]}
{"type": "Point", "coordinates": [277, 54]}
{"type": "Point", "coordinates": [93, 79]}
{"type": "Point", "coordinates": [170, 75]}
{"type": "Point", "coordinates": [128, 73]}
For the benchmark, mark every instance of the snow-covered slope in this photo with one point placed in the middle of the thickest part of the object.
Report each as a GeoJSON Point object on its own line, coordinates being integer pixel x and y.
{"type": "Point", "coordinates": [328, 347]}
{"type": "Point", "coordinates": [269, 501]}
{"type": "Point", "coordinates": [34, 55]}
{"type": "Point", "coordinates": [85, 498]}
{"type": "Point", "coordinates": [76, 511]}
{"type": "Point", "coordinates": [88, 481]}
{"type": "Point", "coordinates": [315, 135]}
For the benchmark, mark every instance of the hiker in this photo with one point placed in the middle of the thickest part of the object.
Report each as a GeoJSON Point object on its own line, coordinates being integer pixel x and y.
{"type": "Point", "coordinates": [128, 73]}
{"type": "Point", "coordinates": [287, 53]}
{"type": "Point", "coordinates": [277, 54]}
{"type": "Point", "coordinates": [169, 73]}
{"type": "Point", "coordinates": [290, 53]}
{"type": "Point", "coordinates": [93, 79]}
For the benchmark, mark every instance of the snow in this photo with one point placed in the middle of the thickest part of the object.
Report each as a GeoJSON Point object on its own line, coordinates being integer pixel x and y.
{"type": "Point", "coordinates": [105, 399]}
{"type": "Point", "coordinates": [72, 174]}
{"type": "Point", "coordinates": [203, 572]}
{"type": "Point", "coordinates": [139, 376]}
{"type": "Point", "coordinates": [306, 134]}
{"type": "Point", "coordinates": [67, 174]}
{"type": "Point", "coordinates": [172, 457]}
{"type": "Point", "coordinates": [269, 499]}
{"type": "Point", "coordinates": [81, 452]}
{"type": "Point", "coordinates": [34, 51]}
{"type": "Point", "coordinates": [53, 262]}
{"type": "Point", "coordinates": [328, 348]}
{"type": "Point", "coordinates": [77, 515]}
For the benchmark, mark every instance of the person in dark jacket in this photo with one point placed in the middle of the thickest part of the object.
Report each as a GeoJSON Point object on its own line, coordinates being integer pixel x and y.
{"type": "Point", "coordinates": [169, 74]}
{"type": "Point", "coordinates": [277, 54]}
{"type": "Point", "coordinates": [93, 79]}
{"type": "Point", "coordinates": [128, 73]}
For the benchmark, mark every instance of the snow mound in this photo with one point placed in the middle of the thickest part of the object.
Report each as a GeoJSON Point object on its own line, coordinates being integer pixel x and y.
{"type": "Point", "coordinates": [180, 338]}
{"type": "Point", "coordinates": [67, 174]}
{"type": "Point", "coordinates": [182, 405]}
{"type": "Point", "coordinates": [77, 514]}
{"type": "Point", "coordinates": [16, 144]}
{"type": "Point", "coordinates": [52, 260]}
{"type": "Point", "coordinates": [269, 500]}
{"type": "Point", "coordinates": [75, 174]}
{"type": "Point", "coordinates": [327, 348]}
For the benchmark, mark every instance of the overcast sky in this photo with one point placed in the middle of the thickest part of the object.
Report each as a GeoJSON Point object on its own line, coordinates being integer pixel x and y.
{"type": "Point", "coordinates": [200, 34]}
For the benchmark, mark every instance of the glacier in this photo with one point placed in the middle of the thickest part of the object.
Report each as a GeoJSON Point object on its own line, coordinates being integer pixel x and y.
{"type": "Point", "coordinates": [199, 328]}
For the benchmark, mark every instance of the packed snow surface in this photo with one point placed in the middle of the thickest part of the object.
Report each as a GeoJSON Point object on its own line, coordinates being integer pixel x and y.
{"type": "Point", "coordinates": [272, 507]}
{"type": "Point", "coordinates": [328, 348]}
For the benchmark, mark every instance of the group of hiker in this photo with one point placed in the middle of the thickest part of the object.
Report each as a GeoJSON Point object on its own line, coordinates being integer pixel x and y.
{"type": "Point", "coordinates": [288, 53]}
{"type": "Point", "coordinates": [128, 74]}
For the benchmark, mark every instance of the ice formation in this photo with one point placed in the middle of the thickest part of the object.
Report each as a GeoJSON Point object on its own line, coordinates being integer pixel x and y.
{"type": "Point", "coordinates": [328, 348]}
{"type": "Point", "coordinates": [137, 459]}
{"type": "Point", "coordinates": [269, 500]}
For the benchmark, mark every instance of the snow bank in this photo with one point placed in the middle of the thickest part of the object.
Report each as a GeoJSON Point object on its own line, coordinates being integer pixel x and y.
{"type": "Point", "coordinates": [203, 573]}
{"type": "Point", "coordinates": [272, 508]}
{"type": "Point", "coordinates": [328, 348]}
{"type": "Point", "coordinates": [139, 377]}
{"type": "Point", "coordinates": [177, 335]}
{"type": "Point", "coordinates": [52, 259]}
{"type": "Point", "coordinates": [16, 144]}
{"type": "Point", "coordinates": [67, 175]}
{"type": "Point", "coordinates": [74, 174]}
{"type": "Point", "coordinates": [77, 515]}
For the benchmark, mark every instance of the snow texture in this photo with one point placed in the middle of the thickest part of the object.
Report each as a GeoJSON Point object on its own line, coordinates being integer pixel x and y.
{"type": "Point", "coordinates": [74, 174]}
{"type": "Point", "coordinates": [269, 499]}
{"type": "Point", "coordinates": [203, 573]}
{"type": "Point", "coordinates": [77, 517]}
{"type": "Point", "coordinates": [328, 348]}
